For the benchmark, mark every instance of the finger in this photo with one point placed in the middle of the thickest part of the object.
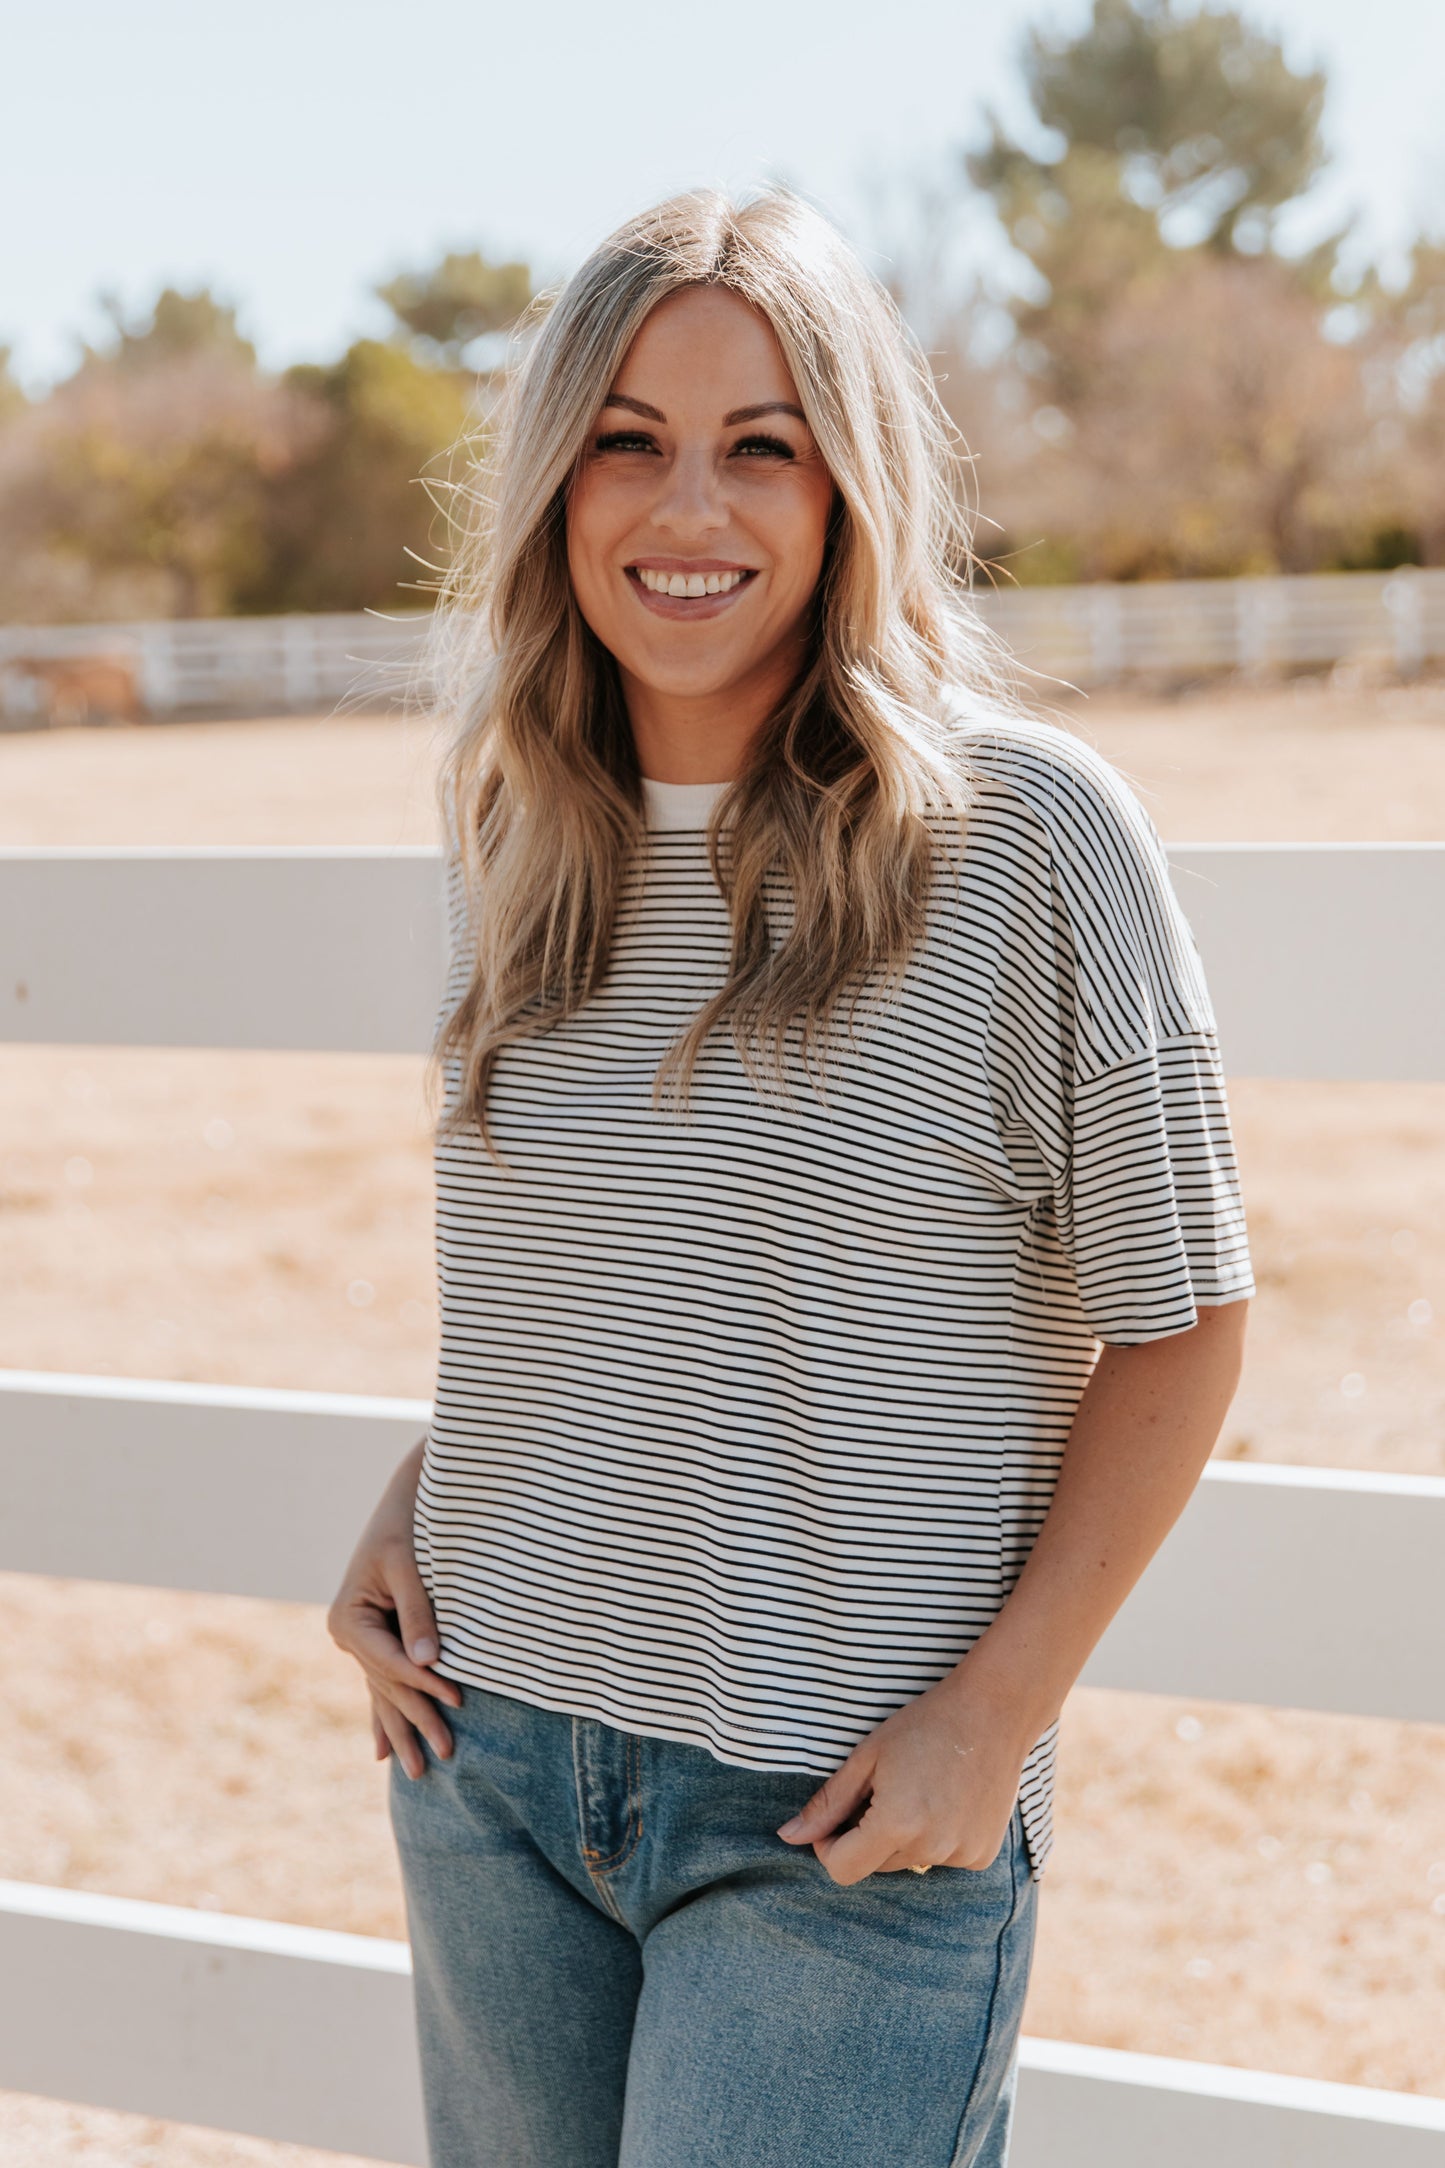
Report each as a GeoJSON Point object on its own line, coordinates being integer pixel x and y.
{"type": "Point", "coordinates": [377, 1648]}
{"type": "Point", "coordinates": [868, 1849]}
{"type": "Point", "coordinates": [836, 1799]}
{"type": "Point", "coordinates": [378, 1737]}
{"type": "Point", "coordinates": [421, 1714]}
{"type": "Point", "coordinates": [402, 1739]}
{"type": "Point", "coordinates": [416, 1621]}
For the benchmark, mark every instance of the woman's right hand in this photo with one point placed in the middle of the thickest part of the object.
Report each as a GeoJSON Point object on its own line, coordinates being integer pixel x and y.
{"type": "Point", "coordinates": [383, 1617]}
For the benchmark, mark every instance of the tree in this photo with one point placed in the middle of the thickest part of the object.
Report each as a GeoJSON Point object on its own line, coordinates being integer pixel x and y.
{"type": "Point", "coordinates": [1175, 130]}
{"type": "Point", "coordinates": [169, 475]}
{"type": "Point", "coordinates": [177, 325]}
{"type": "Point", "coordinates": [136, 485]}
{"type": "Point", "coordinates": [344, 524]}
{"type": "Point", "coordinates": [1208, 127]}
{"type": "Point", "coordinates": [1221, 434]}
{"type": "Point", "coordinates": [128, 493]}
{"type": "Point", "coordinates": [1406, 344]}
{"type": "Point", "coordinates": [460, 299]}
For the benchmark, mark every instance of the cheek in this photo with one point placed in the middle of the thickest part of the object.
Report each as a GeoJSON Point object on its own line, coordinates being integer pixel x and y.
{"type": "Point", "coordinates": [801, 535]}
{"type": "Point", "coordinates": [586, 550]}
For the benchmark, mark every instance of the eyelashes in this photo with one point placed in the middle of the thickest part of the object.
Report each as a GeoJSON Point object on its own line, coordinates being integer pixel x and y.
{"type": "Point", "coordinates": [632, 440]}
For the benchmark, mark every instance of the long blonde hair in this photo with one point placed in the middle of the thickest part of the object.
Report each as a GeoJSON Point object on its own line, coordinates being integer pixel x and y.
{"type": "Point", "coordinates": [838, 808]}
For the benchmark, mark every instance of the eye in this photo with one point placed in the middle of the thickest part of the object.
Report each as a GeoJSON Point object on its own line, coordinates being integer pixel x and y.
{"type": "Point", "coordinates": [765, 447]}
{"type": "Point", "coordinates": [625, 440]}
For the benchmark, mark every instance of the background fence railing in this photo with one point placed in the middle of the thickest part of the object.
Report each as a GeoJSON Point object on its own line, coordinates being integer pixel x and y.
{"type": "Point", "coordinates": [1323, 963]}
{"type": "Point", "coordinates": [1391, 622]}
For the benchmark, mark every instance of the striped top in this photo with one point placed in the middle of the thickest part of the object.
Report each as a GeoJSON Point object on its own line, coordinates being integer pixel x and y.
{"type": "Point", "coordinates": [744, 1426]}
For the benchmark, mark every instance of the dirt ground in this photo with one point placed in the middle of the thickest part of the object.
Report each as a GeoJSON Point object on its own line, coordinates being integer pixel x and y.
{"type": "Point", "coordinates": [1244, 1886]}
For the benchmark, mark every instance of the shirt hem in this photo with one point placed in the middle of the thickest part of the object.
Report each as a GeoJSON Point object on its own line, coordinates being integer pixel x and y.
{"type": "Point", "coordinates": [1038, 1845]}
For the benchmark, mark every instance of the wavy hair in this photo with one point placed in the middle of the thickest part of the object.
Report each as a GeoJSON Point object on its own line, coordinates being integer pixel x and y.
{"type": "Point", "coordinates": [825, 848]}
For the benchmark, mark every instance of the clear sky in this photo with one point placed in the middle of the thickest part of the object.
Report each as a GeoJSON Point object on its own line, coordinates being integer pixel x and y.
{"type": "Point", "coordinates": [292, 152]}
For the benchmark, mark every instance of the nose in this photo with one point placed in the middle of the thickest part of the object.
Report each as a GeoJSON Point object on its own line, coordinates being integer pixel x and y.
{"type": "Point", "coordinates": [691, 503]}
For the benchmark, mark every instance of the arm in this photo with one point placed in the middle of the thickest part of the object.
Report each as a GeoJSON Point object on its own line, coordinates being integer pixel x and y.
{"type": "Point", "coordinates": [383, 1617]}
{"type": "Point", "coordinates": [936, 1781]}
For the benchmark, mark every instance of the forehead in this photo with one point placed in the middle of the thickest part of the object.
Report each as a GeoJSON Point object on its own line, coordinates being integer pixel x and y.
{"type": "Point", "coordinates": [703, 347]}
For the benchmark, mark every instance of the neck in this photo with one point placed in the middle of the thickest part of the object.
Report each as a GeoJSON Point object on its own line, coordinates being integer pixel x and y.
{"type": "Point", "coordinates": [702, 738]}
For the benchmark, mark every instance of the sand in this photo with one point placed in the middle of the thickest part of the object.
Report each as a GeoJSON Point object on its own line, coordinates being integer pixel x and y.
{"type": "Point", "coordinates": [1245, 1886]}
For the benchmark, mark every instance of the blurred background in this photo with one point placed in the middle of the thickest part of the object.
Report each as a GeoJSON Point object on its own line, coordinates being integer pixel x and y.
{"type": "Point", "coordinates": [1181, 272]}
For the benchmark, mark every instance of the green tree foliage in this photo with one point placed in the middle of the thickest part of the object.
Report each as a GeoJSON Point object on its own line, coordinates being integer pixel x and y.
{"type": "Point", "coordinates": [177, 325]}
{"type": "Point", "coordinates": [345, 522]}
{"type": "Point", "coordinates": [1179, 396]}
{"type": "Point", "coordinates": [1163, 129]}
{"type": "Point", "coordinates": [1206, 124]}
{"type": "Point", "coordinates": [461, 298]}
{"type": "Point", "coordinates": [137, 485]}
{"type": "Point", "coordinates": [169, 475]}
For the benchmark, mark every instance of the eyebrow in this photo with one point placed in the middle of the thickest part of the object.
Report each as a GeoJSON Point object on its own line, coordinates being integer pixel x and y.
{"type": "Point", "coordinates": [730, 421]}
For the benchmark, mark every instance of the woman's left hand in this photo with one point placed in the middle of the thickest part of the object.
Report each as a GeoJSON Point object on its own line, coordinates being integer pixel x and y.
{"type": "Point", "coordinates": [934, 1785]}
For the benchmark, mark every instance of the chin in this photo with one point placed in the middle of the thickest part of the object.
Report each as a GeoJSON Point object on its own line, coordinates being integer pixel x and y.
{"type": "Point", "coordinates": [696, 678]}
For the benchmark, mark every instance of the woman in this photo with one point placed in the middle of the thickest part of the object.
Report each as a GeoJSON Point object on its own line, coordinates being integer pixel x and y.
{"type": "Point", "coordinates": [828, 1072]}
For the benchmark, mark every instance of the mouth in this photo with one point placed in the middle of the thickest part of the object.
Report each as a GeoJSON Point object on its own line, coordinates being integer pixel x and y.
{"type": "Point", "coordinates": [679, 589]}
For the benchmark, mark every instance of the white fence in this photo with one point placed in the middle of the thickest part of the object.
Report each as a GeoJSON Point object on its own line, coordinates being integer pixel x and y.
{"type": "Point", "coordinates": [1080, 635]}
{"type": "Point", "coordinates": [221, 665]}
{"type": "Point", "coordinates": [1323, 961]}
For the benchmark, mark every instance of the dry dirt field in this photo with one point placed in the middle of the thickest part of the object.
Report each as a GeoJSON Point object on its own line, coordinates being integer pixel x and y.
{"type": "Point", "coordinates": [1244, 1886]}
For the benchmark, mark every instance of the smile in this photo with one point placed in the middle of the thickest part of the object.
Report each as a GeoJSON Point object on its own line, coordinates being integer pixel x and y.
{"type": "Point", "coordinates": [689, 584]}
{"type": "Point", "coordinates": [670, 590]}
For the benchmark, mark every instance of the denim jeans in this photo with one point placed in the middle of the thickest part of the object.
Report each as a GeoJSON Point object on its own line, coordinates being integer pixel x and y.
{"type": "Point", "coordinates": [619, 1964]}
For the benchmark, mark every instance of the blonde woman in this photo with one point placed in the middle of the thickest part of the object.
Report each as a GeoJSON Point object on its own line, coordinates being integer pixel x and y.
{"type": "Point", "coordinates": [828, 1073]}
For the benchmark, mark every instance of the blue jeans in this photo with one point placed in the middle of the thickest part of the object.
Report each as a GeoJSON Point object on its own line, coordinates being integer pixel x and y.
{"type": "Point", "coordinates": [620, 1965]}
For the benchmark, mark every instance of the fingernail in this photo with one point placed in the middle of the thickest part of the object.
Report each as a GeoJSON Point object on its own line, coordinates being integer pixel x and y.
{"type": "Point", "coordinates": [792, 1828]}
{"type": "Point", "coordinates": [424, 1651]}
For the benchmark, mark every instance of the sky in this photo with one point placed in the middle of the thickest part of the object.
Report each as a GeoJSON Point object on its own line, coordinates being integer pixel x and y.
{"type": "Point", "coordinates": [294, 152]}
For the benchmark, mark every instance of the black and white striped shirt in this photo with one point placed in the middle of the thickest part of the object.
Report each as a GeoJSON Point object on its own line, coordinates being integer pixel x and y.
{"type": "Point", "coordinates": [744, 1426]}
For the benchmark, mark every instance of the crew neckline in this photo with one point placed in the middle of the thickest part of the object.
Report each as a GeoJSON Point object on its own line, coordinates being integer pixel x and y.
{"type": "Point", "coordinates": [680, 805]}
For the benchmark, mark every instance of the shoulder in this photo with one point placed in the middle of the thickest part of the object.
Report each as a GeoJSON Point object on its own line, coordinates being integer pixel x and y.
{"type": "Point", "coordinates": [1093, 845]}
{"type": "Point", "coordinates": [1078, 802]}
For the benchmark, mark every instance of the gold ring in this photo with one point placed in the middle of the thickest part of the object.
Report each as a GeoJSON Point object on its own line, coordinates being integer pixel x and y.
{"type": "Point", "coordinates": [920, 1870]}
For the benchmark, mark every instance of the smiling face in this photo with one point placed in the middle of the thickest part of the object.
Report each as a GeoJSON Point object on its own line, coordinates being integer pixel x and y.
{"type": "Point", "coordinates": [696, 526]}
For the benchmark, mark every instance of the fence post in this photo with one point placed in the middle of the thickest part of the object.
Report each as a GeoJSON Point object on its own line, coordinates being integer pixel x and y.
{"type": "Point", "coordinates": [1107, 647]}
{"type": "Point", "coordinates": [1404, 597]}
{"type": "Point", "coordinates": [157, 666]}
{"type": "Point", "coordinates": [300, 683]}
{"type": "Point", "coordinates": [1257, 607]}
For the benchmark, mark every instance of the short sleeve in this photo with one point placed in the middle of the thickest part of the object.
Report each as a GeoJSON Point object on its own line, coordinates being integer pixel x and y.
{"type": "Point", "coordinates": [1149, 1206]}
{"type": "Point", "coordinates": [1126, 1101]}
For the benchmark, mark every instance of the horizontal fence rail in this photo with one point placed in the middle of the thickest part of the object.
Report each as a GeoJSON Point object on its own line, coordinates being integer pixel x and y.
{"type": "Point", "coordinates": [303, 2034]}
{"type": "Point", "coordinates": [254, 1493]}
{"type": "Point", "coordinates": [291, 2033]}
{"type": "Point", "coordinates": [1082, 635]}
{"type": "Point", "coordinates": [1323, 958]}
{"type": "Point", "coordinates": [323, 950]}
{"type": "Point", "coordinates": [221, 665]}
{"type": "Point", "coordinates": [1087, 635]}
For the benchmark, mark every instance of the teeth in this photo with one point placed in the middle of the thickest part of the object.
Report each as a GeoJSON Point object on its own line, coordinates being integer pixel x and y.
{"type": "Point", "coordinates": [688, 585]}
